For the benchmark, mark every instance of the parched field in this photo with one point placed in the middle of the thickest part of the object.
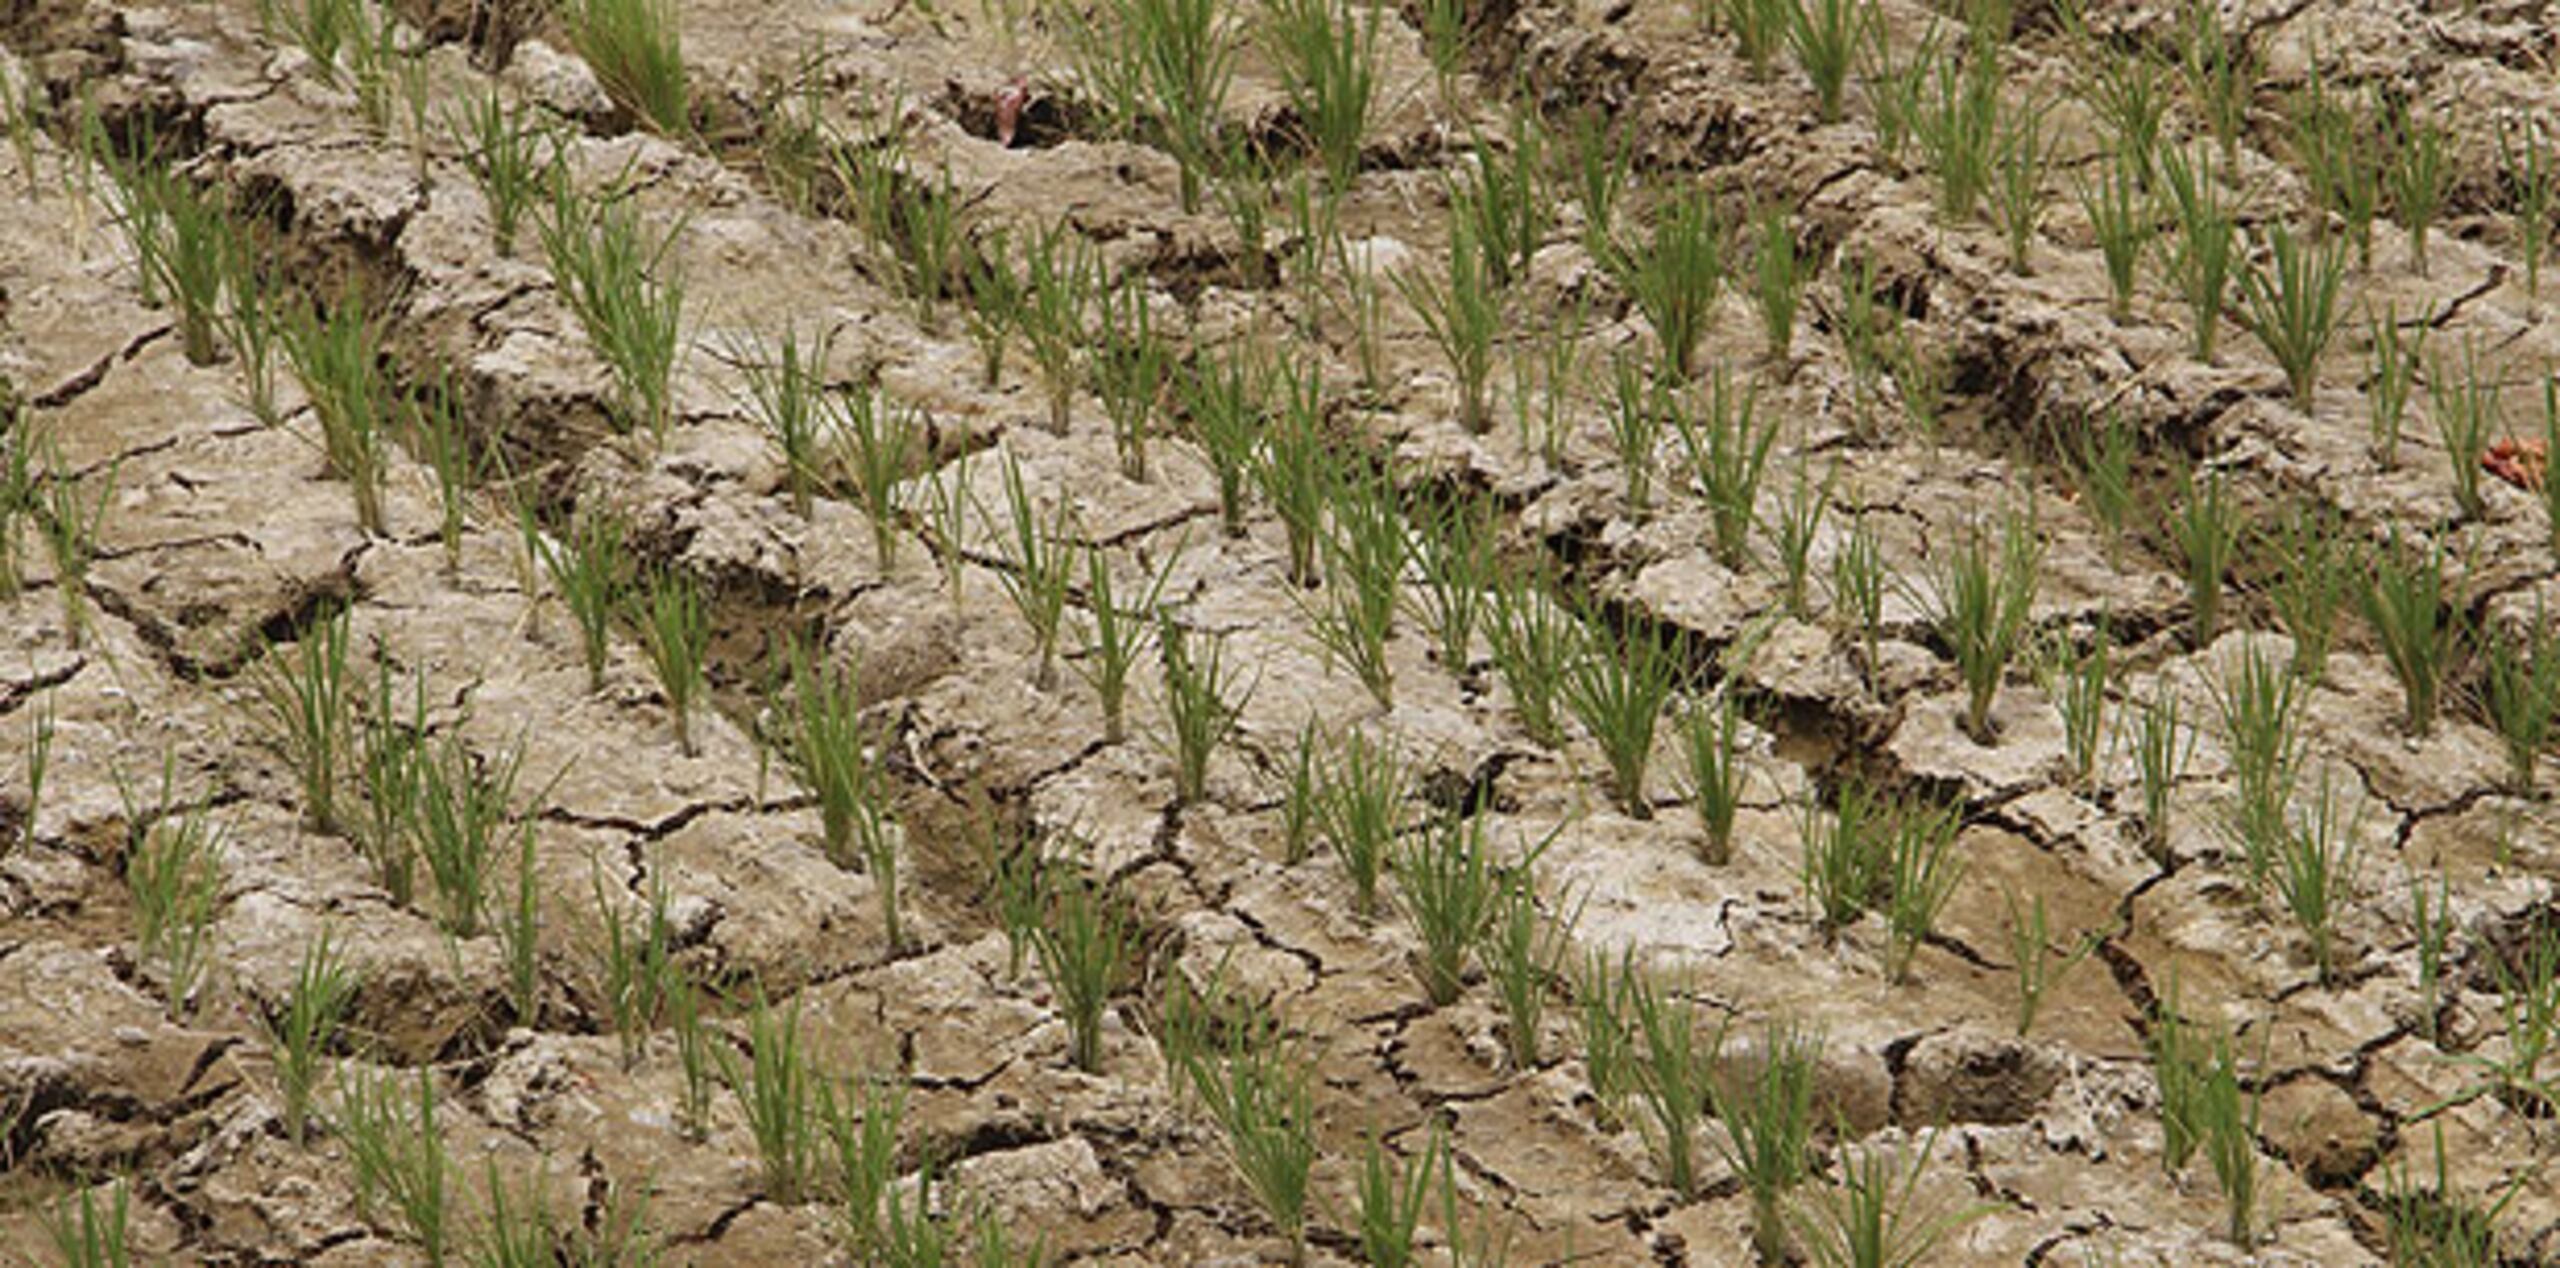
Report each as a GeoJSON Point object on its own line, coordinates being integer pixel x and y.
{"type": "Point", "coordinates": [1178, 632]}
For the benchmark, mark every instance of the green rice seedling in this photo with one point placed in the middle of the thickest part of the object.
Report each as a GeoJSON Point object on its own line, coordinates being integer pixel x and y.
{"type": "Point", "coordinates": [2464, 406]}
{"type": "Point", "coordinates": [1759, 29]}
{"type": "Point", "coordinates": [625, 287]}
{"type": "Point", "coordinates": [1532, 639]}
{"type": "Point", "coordinates": [2205, 251]}
{"type": "Point", "coordinates": [2018, 159]}
{"type": "Point", "coordinates": [2259, 703]}
{"type": "Point", "coordinates": [307, 1027]}
{"type": "Point", "coordinates": [377, 65]}
{"type": "Point", "coordinates": [1780, 271]}
{"type": "Point", "coordinates": [1873, 1217]}
{"type": "Point", "coordinates": [2177, 1070]}
{"type": "Point", "coordinates": [1959, 128]}
{"type": "Point", "coordinates": [696, 1056]}
{"type": "Point", "coordinates": [2221, 74]}
{"type": "Point", "coordinates": [519, 929]}
{"type": "Point", "coordinates": [863, 1127]}
{"type": "Point", "coordinates": [1017, 881]}
{"type": "Point", "coordinates": [994, 297]}
{"type": "Point", "coordinates": [1893, 87]}
{"type": "Point", "coordinates": [1768, 1128]}
{"type": "Point", "coordinates": [69, 524]}
{"type": "Point", "coordinates": [1040, 570]}
{"type": "Point", "coordinates": [1545, 382]}
{"type": "Point", "coordinates": [1365, 553]}
{"type": "Point", "coordinates": [2550, 445]}
{"type": "Point", "coordinates": [1118, 633]}
{"type": "Point", "coordinates": [1185, 58]}
{"type": "Point", "coordinates": [1668, 1069]}
{"type": "Point", "coordinates": [778, 1087]}
{"type": "Point", "coordinates": [309, 699]}
{"type": "Point", "coordinates": [1392, 1198]}
{"type": "Point", "coordinates": [1793, 531]}
{"type": "Point", "coordinates": [1362, 301]}
{"type": "Point", "coordinates": [1296, 470]}
{"type": "Point", "coordinates": [460, 812]}
{"type": "Point", "coordinates": [591, 573]}
{"type": "Point", "coordinates": [2227, 1122]}
{"type": "Point", "coordinates": [24, 104]}
{"type": "Point", "coordinates": [1464, 312]}
{"type": "Point", "coordinates": [2520, 693]}
{"type": "Point", "coordinates": [2039, 965]}
{"type": "Point", "coordinates": [175, 879]}
{"type": "Point", "coordinates": [2528, 982]}
{"type": "Point", "coordinates": [2419, 175]}
{"type": "Point", "coordinates": [1924, 871]}
{"type": "Point", "coordinates": [253, 328]}
{"type": "Point", "coordinates": [2311, 582]}
{"type": "Point", "coordinates": [787, 391]}
{"type": "Point", "coordinates": [2076, 678]}
{"type": "Point", "coordinates": [2340, 155]}
{"type": "Point", "coordinates": [1847, 855]}
{"type": "Point", "coordinates": [636, 966]}
{"type": "Point", "coordinates": [2128, 95]}
{"type": "Point", "coordinates": [338, 358]}
{"type": "Point", "coordinates": [1603, 157]}
{"type": "Point", "coordinates": [1243, 188]}
{"type": "Point", "coordinates": [1642, 404]}
{"type": "Point", "coordinates": [2122, 215]}
{"type": "Point", "coordinates": [1523, 952]}
{"type": "Point", "coordinates": [1224, 400]}
{"type": "Point", "coordinates": [443, 438]}
{"type": "Point", "coordinates": [1728, 452]}
{"type": "Point", "coordinates": [1449, 885]}
{"type": "Point", "coordinates": [2206, 531]}
{"type": "Point", "coordinates": [2315, 872]}
{"type": "Point", "coordinates": [1131, 369]}
{"type": "Point", "coordinates": [1981, 599]}
{"type": "Point", "coordinates": [1360, 797]}
{"type": "Point", "coordinates": [2533, 183]}
{"type": "Point", "coordinates": [2432, 919]}
{"type": "Point", "coordinates": [1201, 703]}
{"type": "Point", "coordinates": [1921, 374]}
{"type": "Point", "coordinates": [1608, 1042]}
{"type": "Point", "coordinates": [1825, 35]}
{"type": "Point", "coordinates": [879, 443]}
{"type": "Point", "coordinates": [1674, 276]}
{"type": "Point", "coordinates": [518, 1231]}
{"type": "Point", "coordinates": [19, 500]}
{"type": "Point", "coordinates": [1865, 320]}
{"type": "Point", "coordinates": [2393, 371]}
{"type": "Point", "coordinates": [1261, 1093]}
{"type": "Point", "coordinates": [2293, 305]}
{"type": "Point", "coordinates": [1326, 53]}
{"type": "Point", "coordinates": [2417, 623]}
{"type": "Point", "coordinates": [194, 253]}
{"type": "Point", "coordinates": [1298, 807]}
{"type": "Point", "coordinates": [636, 48]}
{"type": "Point", "coordinates": [2433, 1225]}
{"type": "Point", "coordinates": [1617, 688]}
{"type": "Point", "coordinates": [39, 761]}
{"type": "Point", "coordinates": [1858, 583]}
{"type": "Point", "coordinates": [397, 1155]}
{"type": "Point", "coordinates": [1060, 275]}
{"type": "Point", "coordinates": [2159, 760]}
{"type": "Point", "coordinates": [390, 755]}
{"type": "Point", "coordinates": [1711, 737]}
{"type": "Point", "coordinates": [87, 1233]}
{"type": "Point", "coordinates": [675, 632]}
{"type": "Point", "coordinates": [1453, 550]}
{"type": "Point", "coordinates": [1503, 203]}
{"type": "Point", "coordinates": [949, 504]}
{"type": "Point", "coordinates": [1084, 950]}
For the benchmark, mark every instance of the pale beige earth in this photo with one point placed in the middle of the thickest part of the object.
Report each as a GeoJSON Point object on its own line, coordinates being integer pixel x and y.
{"type": "Point", "coordinates": [221, 535]}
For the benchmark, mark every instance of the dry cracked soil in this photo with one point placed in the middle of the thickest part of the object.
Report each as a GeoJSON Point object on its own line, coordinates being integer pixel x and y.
{"type": "Point", "coordinates": [671, 972]}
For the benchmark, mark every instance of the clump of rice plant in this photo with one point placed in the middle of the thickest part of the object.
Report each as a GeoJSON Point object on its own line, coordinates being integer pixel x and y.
{"type": "Point", "coordinates": [1326, 52]}
{"type": "Point", "coordinates": [1084, 949]}
{"type": "Point", "coordinates": [2293, 305]}
{"type": "Point", "coordinates": [1617, 689]}
{"type": "Point", "coordinates": [1675, 275]}
{"type": "Point", "coordinates": [626, 290]}
{"type": "Point", "coordinates": [1768, 1128]}
{"type": "Point", "coordinates": [636, 48]}
{"type": "Point", "coordinates": [675, 631]}
{"type": "Point", "coordinates": [1202, 701]}
{"type": "Point", "coordinates": [2408, 601]}
{"type": "Point", "coordinates": [1980, 600]}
